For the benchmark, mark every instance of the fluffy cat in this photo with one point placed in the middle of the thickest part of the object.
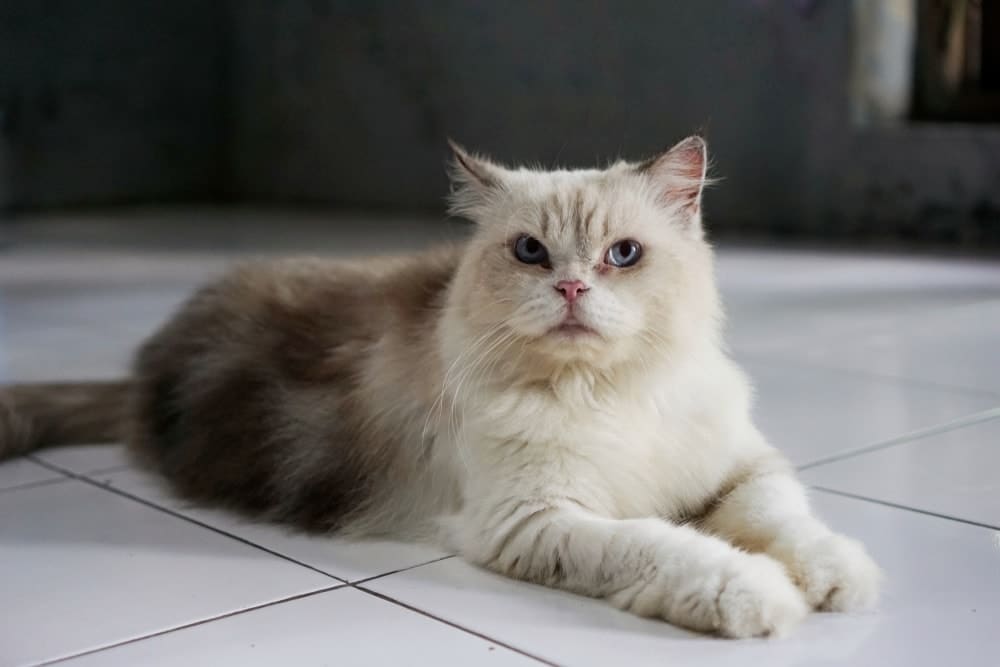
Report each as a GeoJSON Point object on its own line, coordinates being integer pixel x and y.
{"type": "Point", "coordinates": [550, 399]}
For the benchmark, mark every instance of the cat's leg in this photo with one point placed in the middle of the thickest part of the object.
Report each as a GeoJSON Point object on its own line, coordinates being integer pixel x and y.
{"type": "Point", "coordinates": [766, 510]}
{"type": "Point", "coordinates": [646, 566]}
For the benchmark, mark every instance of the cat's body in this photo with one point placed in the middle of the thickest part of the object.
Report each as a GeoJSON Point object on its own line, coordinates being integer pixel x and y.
{"type": "Point", "coordinates": [298, 390]}
{"type": "Point", "coordinates": [550, 399]}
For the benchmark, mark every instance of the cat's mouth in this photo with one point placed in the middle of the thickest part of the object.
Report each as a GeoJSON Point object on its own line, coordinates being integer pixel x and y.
{"type": "Point", "coordinates": [572, 327]}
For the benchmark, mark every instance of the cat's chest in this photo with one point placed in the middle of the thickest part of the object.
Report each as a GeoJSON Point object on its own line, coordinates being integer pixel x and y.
{"type": "Point", "coordinates": [639, 455]}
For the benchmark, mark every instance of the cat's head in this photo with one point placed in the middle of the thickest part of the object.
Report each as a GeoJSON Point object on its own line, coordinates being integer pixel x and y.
{"type": "Point", "coordinates": [601, 266]}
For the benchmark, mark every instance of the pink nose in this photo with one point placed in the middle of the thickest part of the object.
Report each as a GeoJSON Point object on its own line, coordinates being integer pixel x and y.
{"type": "Point", "coordinates": [571, 289]}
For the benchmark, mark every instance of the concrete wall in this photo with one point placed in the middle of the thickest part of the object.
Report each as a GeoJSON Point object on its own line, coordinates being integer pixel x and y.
{"type": "Point", "coordinates": [112, 100]}
{"type": "Point", "coordinates": [348, 103]}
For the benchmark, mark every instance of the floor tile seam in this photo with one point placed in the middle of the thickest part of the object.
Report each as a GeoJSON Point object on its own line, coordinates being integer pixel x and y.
{"type": "Point", "coordinates": [69, 476]}
{"type": "Point", "coordinates": [184, 517]}
{"type": "Point", "coordinates": [107, 470]}
{"type": "Point", "coordinates": [373, 577]}
{"type": "Point", "coordinates": [202, 621]}
{"type": "Point", "coordinates": [956, 424]}
{"type": "Point", "coordinates": [906, 508]}
{"type": "Point", "coordinates": [86, 473]}
{"type": "Point", "coordinates": [457, 626]}
{"type": "Point", "coordinates": [37, 483]}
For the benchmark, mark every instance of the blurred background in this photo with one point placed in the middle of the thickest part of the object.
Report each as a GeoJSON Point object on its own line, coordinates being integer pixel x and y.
{"type": "Point", "coordinates": [872, 121]}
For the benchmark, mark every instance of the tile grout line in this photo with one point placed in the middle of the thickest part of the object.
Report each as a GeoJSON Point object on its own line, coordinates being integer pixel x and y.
{"type": "Point", "coordinates": [203, 621]}
{"type": "Point", "coordinates": [183, 517]}
{"type": "Point", "coordinates": [70, 475]}
{"type": "Point", "coordinates": [919, 434]}
{"type": "Point", "coordinates": [427, 614]}
{"type": "Point", "coordinates": [300, 596]}
{"type": "Point", "coordinates": [906, 508]}
{"type": "Point", "coordinates": [365, 580]}
{"type": "Point", "coordinates": [109, 469]}
{"type": "Point", "coordinates": [35, 484]}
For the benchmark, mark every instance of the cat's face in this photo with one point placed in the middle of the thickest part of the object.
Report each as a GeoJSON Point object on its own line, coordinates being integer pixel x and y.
{"type": "Point", "coordinates": [592, 266]}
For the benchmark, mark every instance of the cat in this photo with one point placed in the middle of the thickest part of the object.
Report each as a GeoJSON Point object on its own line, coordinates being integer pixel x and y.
{"type": "Point", "coordinates": [550, 398]}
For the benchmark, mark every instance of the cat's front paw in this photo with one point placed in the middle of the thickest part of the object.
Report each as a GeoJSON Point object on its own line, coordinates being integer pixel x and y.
{"type": "Point", "coordinates": [758, 600]}
{"type": "Point", "coordinates": [834, 572]}
{"type": "Point", "coordinates": [750, 596]}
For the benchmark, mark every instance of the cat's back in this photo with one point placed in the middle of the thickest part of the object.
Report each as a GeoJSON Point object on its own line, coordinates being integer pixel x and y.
{"type": "Point", "coordinates": [305, 320]}
{"type": "Point", "coordinates": [269, 389]}
{"type": "Point", "coordinates": [306, 306]}
{"type": "Point", "coordinates": [356, 295]}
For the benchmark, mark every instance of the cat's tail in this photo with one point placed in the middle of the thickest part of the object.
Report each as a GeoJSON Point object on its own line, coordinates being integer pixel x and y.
{"type": "Point", "coordinates": [33, 416]}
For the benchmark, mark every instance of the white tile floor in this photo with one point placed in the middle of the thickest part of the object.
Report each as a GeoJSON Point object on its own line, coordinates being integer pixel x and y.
{"type": "Point", "coordinates": [878, 375]}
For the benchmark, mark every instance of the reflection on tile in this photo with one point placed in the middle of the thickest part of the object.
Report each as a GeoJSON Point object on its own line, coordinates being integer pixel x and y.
{"type": "Point", "coordinates": [813, 413]}
{"type": "Point", "coordinates": [954, 609]}
{"type": "Point", "coordinates": [340, 627]}
{"type": "Point", "coordinates": [793, 301]}
{"type": "Point", "coordinates": [84, 567]}
{"type": "Point", "coordinates": [21, 472]}
{"type": "Point", "coordinates": [76, 332]}
{"type": "Point", "coordinates": [956, 473]}
{"type": "Point", "coordinates": [344, 559]}
{"type": "Point", "coordinates": [952, 347]}
{"type": "Point", "coordinates": [929, 320]}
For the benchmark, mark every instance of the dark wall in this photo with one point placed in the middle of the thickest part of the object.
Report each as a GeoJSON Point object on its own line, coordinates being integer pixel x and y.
{"type": "Point", "coordinates": [112, 100]}
{"type": "Point", "coordinates": [348, 103]}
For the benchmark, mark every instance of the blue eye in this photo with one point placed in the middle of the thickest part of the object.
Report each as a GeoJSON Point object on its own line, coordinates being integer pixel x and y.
{"type": "Point", "coordinates": [530, 250]}
{"type": "Point", "coordinates": [623, 253]}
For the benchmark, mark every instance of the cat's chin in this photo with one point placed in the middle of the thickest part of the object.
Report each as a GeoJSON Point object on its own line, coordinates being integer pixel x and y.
{"type": "Point", "coordinates": [573, 342]}
{"type": "Point", "coordinates": [573, 330]}
{"type": "Point", "coordinates": [572, 327]}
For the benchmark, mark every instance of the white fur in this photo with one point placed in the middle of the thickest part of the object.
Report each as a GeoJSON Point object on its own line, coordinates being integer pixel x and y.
{"type": "Point", "coordinates": [580, 460]}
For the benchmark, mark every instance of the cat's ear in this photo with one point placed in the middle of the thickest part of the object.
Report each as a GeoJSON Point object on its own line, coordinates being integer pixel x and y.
{"type": "Point", "coordinates": [469, 169]}
{"type": "Point", "coordinates": [475, 182]}
{"type": "Point", "coordinates": [678, 176]}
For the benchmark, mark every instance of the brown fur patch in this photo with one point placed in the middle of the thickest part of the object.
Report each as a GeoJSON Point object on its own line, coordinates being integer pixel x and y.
{"type": "Point", "coordinates": [256, 395]}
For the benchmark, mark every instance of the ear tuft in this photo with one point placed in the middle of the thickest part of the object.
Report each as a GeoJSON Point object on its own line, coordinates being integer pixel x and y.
{"type": "Point", "coordinates": [475, 182]}
{"type": "Point", "coordinates": [679, 174]}
{"type": "Point", "coordinates": [468, 168]}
